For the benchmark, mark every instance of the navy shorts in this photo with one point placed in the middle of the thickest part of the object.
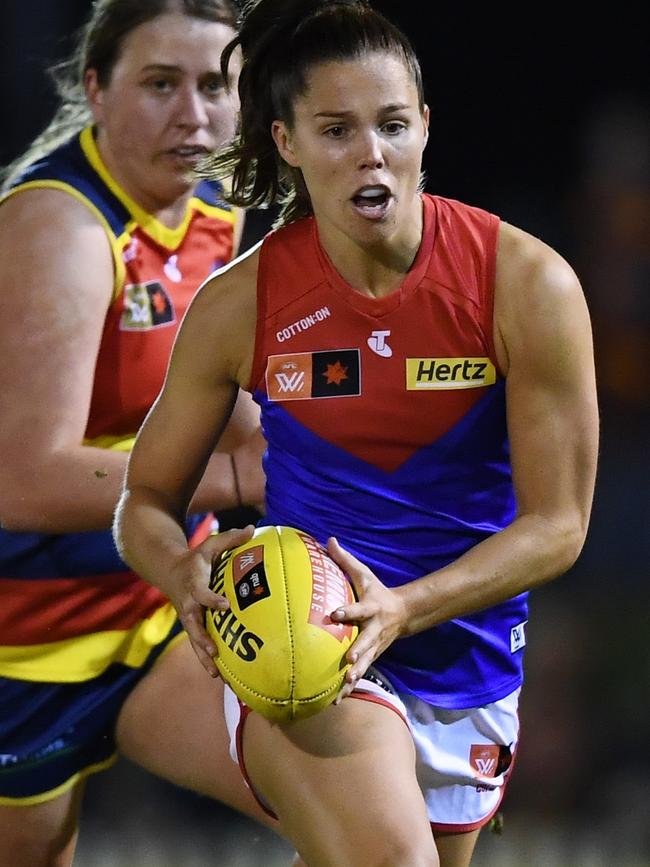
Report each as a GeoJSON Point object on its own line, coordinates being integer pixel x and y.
{"type": "Point", "coordinates": [55, 734]}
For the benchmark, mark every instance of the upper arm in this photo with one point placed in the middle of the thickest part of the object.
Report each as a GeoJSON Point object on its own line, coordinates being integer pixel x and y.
{"type": "Point", "coordinates": [543, 336]}
{"type": "Point", "coordinates": [210, 362]}
{"type": "Point", "coordinates": [56, 284]}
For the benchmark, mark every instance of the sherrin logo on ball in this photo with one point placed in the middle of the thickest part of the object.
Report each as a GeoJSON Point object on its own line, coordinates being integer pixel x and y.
{"type": "Point", "coordinates": [277, 647]}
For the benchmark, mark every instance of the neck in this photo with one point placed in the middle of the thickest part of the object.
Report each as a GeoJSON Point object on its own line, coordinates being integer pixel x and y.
{"type": "Point", "coordinates": [168, 209]}
{"type": "Point", "coordinates": [374, 269]}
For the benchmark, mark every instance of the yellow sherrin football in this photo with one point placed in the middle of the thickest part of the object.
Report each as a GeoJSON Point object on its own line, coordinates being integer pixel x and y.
{"type": "Point", "coordinates": [276, 645]}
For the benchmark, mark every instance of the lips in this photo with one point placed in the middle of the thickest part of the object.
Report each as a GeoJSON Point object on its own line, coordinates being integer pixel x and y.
{"type": "Point", "coordinates": [372, 201]}
{"type": "Point", "coordinates": [189, 151]}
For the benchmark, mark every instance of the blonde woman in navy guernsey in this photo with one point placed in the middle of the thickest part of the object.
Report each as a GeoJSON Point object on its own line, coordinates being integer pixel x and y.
{"type": "Point", "coordinates": [104, 239]}
{"type": "Point", "coordinates": [426, 380]}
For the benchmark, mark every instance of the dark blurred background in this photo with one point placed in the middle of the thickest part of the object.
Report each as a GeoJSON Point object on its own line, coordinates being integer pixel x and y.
{"type": "Point", "coordinates": [544, 122]}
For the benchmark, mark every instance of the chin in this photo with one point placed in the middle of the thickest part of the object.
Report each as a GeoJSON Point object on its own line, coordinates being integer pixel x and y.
{"type": "Point", "coordinates": [177, 186]}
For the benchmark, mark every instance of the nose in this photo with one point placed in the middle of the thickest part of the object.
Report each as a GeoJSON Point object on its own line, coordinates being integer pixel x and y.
{"type": "Point", "coordinates": [371, 155]}
{"type": "Point", "coordinates": [192, 109]}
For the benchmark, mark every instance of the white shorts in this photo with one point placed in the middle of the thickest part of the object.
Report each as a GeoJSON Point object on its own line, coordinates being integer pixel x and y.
{"type": "Point", "coordinates": [463, 757]}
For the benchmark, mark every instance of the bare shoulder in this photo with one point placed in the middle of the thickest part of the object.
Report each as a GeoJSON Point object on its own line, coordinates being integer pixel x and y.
{"type": "Point", "coordinates": [48, 237]}
{"type": "Point", "coordinates": [56, 257]}
{"type": "Point", "coordinates": [537, 293]}
{"type": "Point", "coordinates": [223, 315]}
{"type": "Point", "coordinates": [525, 261]}
{"type": "Point", "coordinates": [47, 209]}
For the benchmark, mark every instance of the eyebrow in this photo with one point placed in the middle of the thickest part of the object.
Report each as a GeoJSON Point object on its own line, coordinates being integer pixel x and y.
{"type": "Point", "coordinates": [160, 67]}
{"type": "Point", "coordinates": [172, 69]}
{"type": "Point", "coordinates": [385, 109]}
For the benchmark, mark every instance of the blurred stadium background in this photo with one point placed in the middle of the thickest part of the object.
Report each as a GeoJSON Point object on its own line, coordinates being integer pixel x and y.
{"type": "Point", "coordinates": [546, 123]}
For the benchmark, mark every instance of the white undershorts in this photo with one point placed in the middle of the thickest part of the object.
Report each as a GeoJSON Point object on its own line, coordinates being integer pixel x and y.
{"type": "Point", "coordinates": [463, 757]}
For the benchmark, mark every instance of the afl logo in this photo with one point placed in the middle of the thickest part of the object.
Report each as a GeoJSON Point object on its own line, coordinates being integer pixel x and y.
{"type": "Point", "coordinates": [146, 305]}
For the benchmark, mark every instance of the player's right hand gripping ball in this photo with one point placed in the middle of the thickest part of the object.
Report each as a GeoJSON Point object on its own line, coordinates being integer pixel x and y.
{"type": "Point", "coordinates": [276, 645]}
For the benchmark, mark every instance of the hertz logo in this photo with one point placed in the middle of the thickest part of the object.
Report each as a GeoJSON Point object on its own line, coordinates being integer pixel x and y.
{"type": "Point", "coordinates": [451, 373]}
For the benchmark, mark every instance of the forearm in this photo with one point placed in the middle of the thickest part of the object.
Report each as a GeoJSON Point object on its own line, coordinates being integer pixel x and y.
{"type": "Point", "coordinates": [531, 551]}
{"type": "Point", "coordinates": [77, 490]}
{"type": "Point", "coordinates": [149, 536]}
{"type": "Point", "coordinates": [70, 491]}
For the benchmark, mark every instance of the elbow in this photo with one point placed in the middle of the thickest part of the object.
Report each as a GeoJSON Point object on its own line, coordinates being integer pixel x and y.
{"type": "Point", "coordinates": [570, 536]}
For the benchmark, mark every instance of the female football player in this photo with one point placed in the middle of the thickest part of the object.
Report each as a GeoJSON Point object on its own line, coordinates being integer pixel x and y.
{"type": "Point", "coordinates": [426, 381]}
{"type": "Point", "coordinates": [104, 239]}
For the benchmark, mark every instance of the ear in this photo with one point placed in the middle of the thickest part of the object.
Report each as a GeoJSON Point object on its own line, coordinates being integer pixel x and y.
{"type": "Point", "coordinates": [94, 95]}
{"type": "Point", "coordinates": [425, 121]}
{"type": "Point", "coordinates": [283, 141]}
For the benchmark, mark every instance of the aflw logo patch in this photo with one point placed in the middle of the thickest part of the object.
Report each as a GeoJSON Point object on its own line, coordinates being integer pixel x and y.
{"type": "Point", "coordinates": [489, 760]}
{"type": "Point", "coordinates": [452, 373]}
{"type": "Point", "coordinates": [484, 758]}
{"type": "Point", "coordinates": [306, 375]}
{"type": "Point", "coordinates": [146, 306]}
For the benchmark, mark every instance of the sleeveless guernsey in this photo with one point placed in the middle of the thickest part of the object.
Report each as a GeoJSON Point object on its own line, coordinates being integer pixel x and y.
{"type": "Point", "coordinates": [71, 607]}
{"type": "Point", "coordinates": [386, 427]}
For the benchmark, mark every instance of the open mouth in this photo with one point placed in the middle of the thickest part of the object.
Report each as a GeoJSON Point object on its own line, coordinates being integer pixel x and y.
{"type": "Point", "coordinates": [372, 201]}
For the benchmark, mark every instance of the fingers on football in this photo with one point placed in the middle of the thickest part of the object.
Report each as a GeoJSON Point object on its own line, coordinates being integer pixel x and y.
{"type": "Point", "coordinates": [217, 543]}
{"type": "Point", "coordinates": [201, 642]}
{"type": "Point", "coordinates": [345, 560]}
{"type": "Point", "coordinates": [208, 599]}
{"type": "Point", "coordinates": [205, 658]}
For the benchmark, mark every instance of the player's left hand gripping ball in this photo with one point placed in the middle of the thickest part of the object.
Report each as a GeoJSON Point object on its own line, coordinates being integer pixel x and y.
{"type": "Point", "coordinates": [277, 647]}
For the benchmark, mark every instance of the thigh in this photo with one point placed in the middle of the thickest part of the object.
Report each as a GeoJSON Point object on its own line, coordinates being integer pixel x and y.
{"type": "Point", "coordinates": [173, 725]}
{"type": "Point", "coordinates": [456, 850]}
{"type": "Point", "coordinates": [343, 785]}
{"type": "Point", "coordinates": [40, 835]}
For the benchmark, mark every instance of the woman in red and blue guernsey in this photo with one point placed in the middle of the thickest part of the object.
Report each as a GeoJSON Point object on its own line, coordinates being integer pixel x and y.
{"type": "Point", "coordinates": [426, 380]}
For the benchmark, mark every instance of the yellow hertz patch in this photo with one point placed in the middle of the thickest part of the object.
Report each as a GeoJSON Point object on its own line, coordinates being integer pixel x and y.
{"type": "Point", "coordinates": [449, 373]}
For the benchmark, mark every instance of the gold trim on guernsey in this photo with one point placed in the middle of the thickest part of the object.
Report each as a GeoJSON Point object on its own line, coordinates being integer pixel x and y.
{"type": "Point", "coordinates": [123, 443]}
{"type": "Point", "coordinates": [59, 790]}
{"type": "Point", "coordinates": [117, 244]}
{"type": "Point", "coordinates": [170, 238]}
{"type": "Point", "coordinates": [83, 657]}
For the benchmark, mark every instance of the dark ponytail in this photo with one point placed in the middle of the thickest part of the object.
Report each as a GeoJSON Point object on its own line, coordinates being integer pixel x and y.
{"type": "Point", "coordinates": [281, 40]}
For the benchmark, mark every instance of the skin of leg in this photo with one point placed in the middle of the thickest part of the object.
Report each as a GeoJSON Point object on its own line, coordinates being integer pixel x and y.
{"type": "Point", "coordinates": [173, 725]}
{"type": "Point", "coordinates": [343, 783]}
{"type": "Point", "coordinates": [41, 835]}
{"type": "Point", "coordinates": [456, 850]}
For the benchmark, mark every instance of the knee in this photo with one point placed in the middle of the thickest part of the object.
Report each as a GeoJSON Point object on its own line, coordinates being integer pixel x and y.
{"type": "Point", "coordinates": [395, 848]}
{"type": "Point", "coordinates": [409, 853]}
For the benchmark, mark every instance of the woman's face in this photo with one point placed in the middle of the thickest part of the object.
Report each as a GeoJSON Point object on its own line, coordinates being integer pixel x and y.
{"type": "Point", "coordinates": [358, 137]}
{"type": "Point", "coordinates": [165, 106]}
